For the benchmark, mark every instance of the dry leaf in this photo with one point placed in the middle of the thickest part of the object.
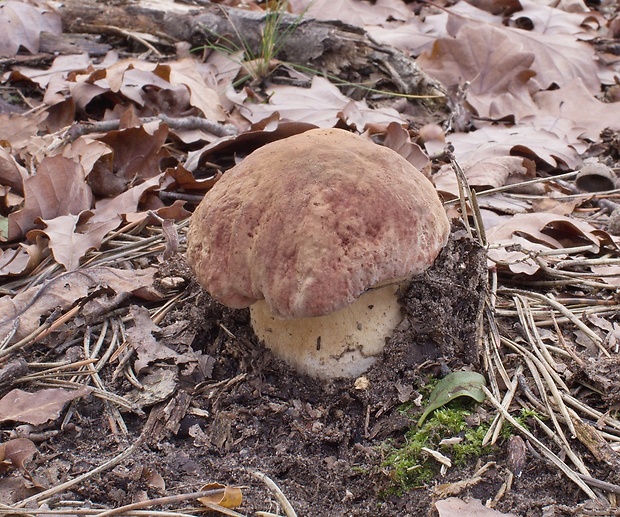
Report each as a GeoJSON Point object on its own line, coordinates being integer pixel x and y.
{"type": "Point", "coordinates": [490, 172]}
{"type": "Point", "coordinates": [140, 338]}
{"type": "Point", "coordinates": [137, 152]}
{"type": "Point", "coordinates": [154, 480]}
{"type": "Point", "coordinates": [503, 7]}
{"type": "Point", "coordinates": [11, 174]}
{"type": "Point", "coordinates": [455, 507]}
{"type": "Point", "coordinates": [553, 20]}
{"type": "Point", "coordinates": [411, 37]}
{"type": "Point", "coordinates": [193, 75]}
{"type": "Point", "coordinates": [39, 407]}
{"type": "Point", "coordinates": [57, 188]}
{"type": "Point", "coordinates": [496, 69]}
{"type": "Point", "coordinates": [52, 78]}
{"type": "Point", "coordinates": [321, 105]}
{"type": "Point", "coordinates": [17, 130]}
{"type": "Point", "coordinates": [267, 130]}
{"type": "Point", "coordinates": [72, 236]}
{"type": "Point", "coordinates": [19, 260]}
{"type": "Point", "coordinates": [518, 140]}
{"type": "Point", "coordinates": [398, 139]}
{"type": "Point", "coordinates": [351, 11]}
{"type": "Point", "coordinates": [125, 203]}
{"type": "Point", "coordinates": [157, 386]}
{"type": "Point", "coordinates": [516, 241]}
{"type": "Point", "coordinates": [28, 307]}
{"type": "Point", "coordinates": [224, 495]}
{"type": "Point", "coordinates": [559, 58]}
{"type": "Point", "coordinates": [87, 151]}
{"type": "Point", "coordinates": [21, 25]}
{"type": "Point", "coordinates": [574, 103]}
{"type": "Point", "coordinates": [15, 453]}
{"type": "Point", "coordinates": [556, 231]}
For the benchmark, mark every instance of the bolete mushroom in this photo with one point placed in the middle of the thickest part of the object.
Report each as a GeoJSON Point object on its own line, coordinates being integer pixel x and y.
{"type": "Point", "coordinates": [317, 233]}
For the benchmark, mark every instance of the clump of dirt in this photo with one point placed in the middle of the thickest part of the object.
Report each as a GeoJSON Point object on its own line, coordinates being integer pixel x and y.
{"type": "Point", "coordinates": [320, 441]}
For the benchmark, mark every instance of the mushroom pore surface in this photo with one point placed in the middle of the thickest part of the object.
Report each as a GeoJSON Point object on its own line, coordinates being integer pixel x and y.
{"type": "Point", "coordinates": [310, 222]}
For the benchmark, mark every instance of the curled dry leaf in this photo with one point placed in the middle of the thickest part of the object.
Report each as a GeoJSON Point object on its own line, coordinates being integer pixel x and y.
{"type": "Point", "coordinates": [554, 230]}
{"type": "Point", "coordinates": [126, 204]}
{"type": "Point", "coordinates": [154, 480]}
{"type": "Point", "coordinates": [11, 174]}
{"type": "Point", "coordinates": [135, 79]}
{"type": "Point", "coordinates": [398, 139]}
{"type": "Point", "coordinates": [263, 132]}
{"type": "Point", "coordinates": [223, 495]}
{"type": "Point", "coordinates": [504, 7]}
{"type": "Point", "coordinates": [185, 180]}
{"type": "Point", "coordinates": [38, 407]}
{"type": "Point", "coordinates": [137, 152]}
{"type": "Point", "coordinates": [87, 151]}
{"type": "Point", "coordinates": [523, 235]}
{"type": "Point", "coordinates": [22, 259]}
{"type": "Point", "coordinates": [15, 453]}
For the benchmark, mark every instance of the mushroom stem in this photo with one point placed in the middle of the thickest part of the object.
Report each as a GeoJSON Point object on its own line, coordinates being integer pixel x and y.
{"type": "Point", "coordinates": [344, 343]}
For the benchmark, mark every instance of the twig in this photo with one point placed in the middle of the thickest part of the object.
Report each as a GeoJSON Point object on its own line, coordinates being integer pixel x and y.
{"type": "Point", "coordinates": [103, 29]}
{"type": "Point", "coordinates": [104, 126]}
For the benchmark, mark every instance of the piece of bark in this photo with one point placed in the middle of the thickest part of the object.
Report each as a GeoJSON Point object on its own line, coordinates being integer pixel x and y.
{"type": "Point", "coordinates": [331, 47]}
{"type": "Point", "coordinates": [165, 418]}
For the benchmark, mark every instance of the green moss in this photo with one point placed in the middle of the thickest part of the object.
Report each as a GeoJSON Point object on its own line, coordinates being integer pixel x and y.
{"type": "Point", "coordinates": [410, 467]}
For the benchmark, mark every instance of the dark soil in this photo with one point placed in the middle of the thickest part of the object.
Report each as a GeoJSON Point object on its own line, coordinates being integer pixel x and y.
{"type": "Point", "coordinates": [321, 442]}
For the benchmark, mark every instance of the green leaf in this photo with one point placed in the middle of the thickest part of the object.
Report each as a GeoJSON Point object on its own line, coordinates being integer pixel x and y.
{"type": "Point", "coordinates": [457, 384]}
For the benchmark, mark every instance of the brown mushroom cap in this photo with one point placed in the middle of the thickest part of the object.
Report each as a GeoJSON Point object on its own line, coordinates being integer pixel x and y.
{"type": "Point", "coordinates": [310, 222]}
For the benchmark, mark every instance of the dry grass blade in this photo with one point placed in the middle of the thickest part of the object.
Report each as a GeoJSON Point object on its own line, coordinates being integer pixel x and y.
{"type": "Point", "coordinates": [286, 506]}
{"type": "Point", "coordinates": [498, 421]}
{"type": "Point", "coordinates": [522, 184]}
{"type": "Point", "coordinates": [8, 511]}
{"type": "Point", "coordinates": [77, 480]}
{"type": "Point", "coordinates": [466, 194]}
{"type": "Point", "coordinates": [565, 312]}
{"type": "Point", "coordinates": [171, 500]}
{"type": "Point", "coordinates": [572, 475]}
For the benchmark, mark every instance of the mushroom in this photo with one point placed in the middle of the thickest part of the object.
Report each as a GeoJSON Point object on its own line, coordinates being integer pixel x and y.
{"type": "Point", "coordinates": [317, 233]}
